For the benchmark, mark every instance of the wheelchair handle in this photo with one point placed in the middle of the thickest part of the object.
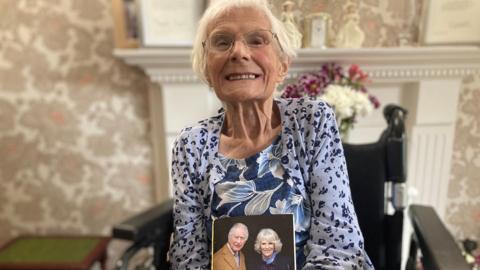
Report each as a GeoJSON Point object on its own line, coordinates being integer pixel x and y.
{"type": "Point", "coordinates": [395, 116]}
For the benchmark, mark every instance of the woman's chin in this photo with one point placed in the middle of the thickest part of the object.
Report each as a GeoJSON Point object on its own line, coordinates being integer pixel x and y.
{"type": "Point", "coordinates": [241, 91]}
{"type": "Point", "coordinates": [267, 256]}
{"type": "Point", "coordinates": [244, 94]}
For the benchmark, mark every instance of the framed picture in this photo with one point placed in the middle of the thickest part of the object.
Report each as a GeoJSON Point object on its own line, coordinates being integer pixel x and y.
{"type": "Point", "coordinates": [169, 23]}
{"type": "Point", "coordinates": [126, 30]}
{"type": "Point", "coordinates": [450, 22]}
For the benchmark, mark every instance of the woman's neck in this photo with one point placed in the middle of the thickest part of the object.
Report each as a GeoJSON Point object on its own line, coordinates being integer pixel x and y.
{"type": "Point", "coordinates": [249, 127]}
{"type": "Point", "coordinates": [270, 258]}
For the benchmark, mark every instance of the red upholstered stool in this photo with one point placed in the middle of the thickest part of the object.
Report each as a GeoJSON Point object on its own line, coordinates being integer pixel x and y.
{"type": "Point", "coordinates": [54, 252]}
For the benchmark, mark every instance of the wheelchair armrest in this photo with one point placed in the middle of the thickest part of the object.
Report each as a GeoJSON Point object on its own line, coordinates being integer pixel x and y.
{"type": "Point", "coordinates": [439, 249]}
{"type": "Point", "coordinates": [154, 222]}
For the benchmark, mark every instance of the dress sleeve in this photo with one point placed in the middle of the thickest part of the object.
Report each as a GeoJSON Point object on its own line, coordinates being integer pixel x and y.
{"type": "Point", "coordinates": [189, 248]}
{"type": "Point", "coordinates": [335, 240]}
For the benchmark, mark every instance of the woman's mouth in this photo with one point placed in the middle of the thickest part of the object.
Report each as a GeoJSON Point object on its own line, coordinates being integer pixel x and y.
{"type": "Point", "coordinates": [241, 76]}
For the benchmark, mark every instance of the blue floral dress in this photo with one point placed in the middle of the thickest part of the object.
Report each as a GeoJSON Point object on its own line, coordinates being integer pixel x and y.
{"type": "Point", "coordinates": [258, 185]}
{"type": "Point", "coordinates": [303, 172]}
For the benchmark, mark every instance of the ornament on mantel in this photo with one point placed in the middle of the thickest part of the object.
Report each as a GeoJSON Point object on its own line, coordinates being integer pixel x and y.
{"type": "Point", "coordinates": [288, 19]}
{"type": "Point", "coordinates": [350, 35]}
{"type": "Point", "coordinates": [318, 30]}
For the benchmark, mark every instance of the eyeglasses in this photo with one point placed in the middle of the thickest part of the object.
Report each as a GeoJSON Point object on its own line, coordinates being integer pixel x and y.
{"type": "Point", "coordinates": [224, 41]}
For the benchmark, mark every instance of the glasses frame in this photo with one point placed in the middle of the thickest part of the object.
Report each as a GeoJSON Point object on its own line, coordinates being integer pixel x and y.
{"type": "Point", "coordinates": [274, 35]}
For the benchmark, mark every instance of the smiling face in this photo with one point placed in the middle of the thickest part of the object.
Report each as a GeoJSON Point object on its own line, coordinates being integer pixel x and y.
{"type": "Point", "coordinates": [267, 248]}
{"type": "Point", "coordinates": [243, 73]}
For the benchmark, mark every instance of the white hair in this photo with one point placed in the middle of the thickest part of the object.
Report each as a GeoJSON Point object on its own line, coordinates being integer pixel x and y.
{"type": "Point", "coordinates": [219, 8]}
{"type": "Point", "coordinates": [268, 235]}
{"type": "Point", "coordinates": [238, 226]}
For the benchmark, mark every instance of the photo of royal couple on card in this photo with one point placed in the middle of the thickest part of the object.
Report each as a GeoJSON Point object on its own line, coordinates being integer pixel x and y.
{"type": "Point", "coordinates": [253, 243]}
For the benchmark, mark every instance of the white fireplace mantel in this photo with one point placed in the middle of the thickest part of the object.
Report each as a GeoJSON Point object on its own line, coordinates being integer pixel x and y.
{"type": "Point", "coordinates": [172, 65]}
{"type": "Point", "coordinates": [425, 80]}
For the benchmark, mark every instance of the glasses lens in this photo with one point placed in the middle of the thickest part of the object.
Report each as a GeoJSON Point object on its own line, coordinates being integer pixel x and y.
{"type": "Point", "coordinates": [258, 39]}
{"type": "Point", "coordinates": [220, 41]}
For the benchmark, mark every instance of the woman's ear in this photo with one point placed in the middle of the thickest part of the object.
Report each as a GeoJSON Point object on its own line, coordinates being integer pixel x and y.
{"type": "Point", "coordinates": [284, 65]}
{"type": "Point", "coordinates": [207, 78]}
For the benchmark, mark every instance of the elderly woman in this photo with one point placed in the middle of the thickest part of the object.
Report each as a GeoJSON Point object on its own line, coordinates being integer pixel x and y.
{"type": "Point", "coordinates": [259, 155]}
{"type": "Point", "coordinates": [269, 245]}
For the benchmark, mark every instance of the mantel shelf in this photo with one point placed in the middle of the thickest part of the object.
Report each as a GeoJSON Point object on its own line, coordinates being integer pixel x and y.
{"type": "Point", "coordinates": [405, 63]}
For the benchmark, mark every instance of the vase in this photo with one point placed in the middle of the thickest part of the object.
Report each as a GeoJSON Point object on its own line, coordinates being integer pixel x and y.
{"type": "Point", "coordinates": [344, 127]}
{"type": "Point", "coordinates": [345, 136]}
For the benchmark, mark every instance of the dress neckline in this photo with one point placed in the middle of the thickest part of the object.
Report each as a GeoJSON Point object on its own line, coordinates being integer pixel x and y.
{"type": "Point", "coordinates": [222, 122]}
{"type": "Point", "coordinates": [265, 150]}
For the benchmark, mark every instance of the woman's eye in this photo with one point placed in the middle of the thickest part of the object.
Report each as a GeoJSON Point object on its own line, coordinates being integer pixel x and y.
{"type": "Point", "coordinates": [256, 41]}
{"type": "Point", "coordinates": [221, 42]}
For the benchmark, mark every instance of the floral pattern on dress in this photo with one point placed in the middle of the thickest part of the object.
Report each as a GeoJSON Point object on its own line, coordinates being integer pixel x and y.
{"type": "Point", "coordinates": [303, 172]}
{"type": "Point", "coordinates": [239, 189]}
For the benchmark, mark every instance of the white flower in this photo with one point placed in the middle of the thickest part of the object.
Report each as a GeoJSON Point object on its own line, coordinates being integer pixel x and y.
{"type": "Point", "coordinates": [346, 101]}
{"type": "Point", "coordinates": [362, 106]}
{"type": "Point", "coordinates": [338, 97]}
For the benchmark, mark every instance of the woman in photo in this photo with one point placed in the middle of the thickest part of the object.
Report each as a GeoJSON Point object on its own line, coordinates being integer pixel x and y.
{"type": "Point", "coordinates": [269, 246]}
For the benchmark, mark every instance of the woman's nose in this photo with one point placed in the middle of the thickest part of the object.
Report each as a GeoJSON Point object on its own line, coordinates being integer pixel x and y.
{"type": "Point", "coordinates": [239, 51]}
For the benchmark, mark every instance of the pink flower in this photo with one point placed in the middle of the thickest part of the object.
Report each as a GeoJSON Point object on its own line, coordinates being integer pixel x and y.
{"type": "Point", "coordinates": [292, 91]}
{"type": "Point", "coordinates": [374, 100]}
{"type": "Point", "coordinates": [332, 76]}
{"type": "Point", "coordinates": [353, 70]}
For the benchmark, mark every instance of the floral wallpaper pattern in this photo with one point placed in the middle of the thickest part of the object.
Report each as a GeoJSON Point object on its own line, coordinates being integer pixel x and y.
{"type": "Point", "coordinates": [74, 128]}
{"type": "Point", "coordinates": [463, 210]}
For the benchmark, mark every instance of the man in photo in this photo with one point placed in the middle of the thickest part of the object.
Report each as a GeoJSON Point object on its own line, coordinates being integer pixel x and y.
{"type": "Point", "coordinates": [230, 256]}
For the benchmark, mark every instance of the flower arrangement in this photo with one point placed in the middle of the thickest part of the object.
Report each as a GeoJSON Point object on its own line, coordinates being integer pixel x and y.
{"type": "Point", "coordinates": [345, 92]}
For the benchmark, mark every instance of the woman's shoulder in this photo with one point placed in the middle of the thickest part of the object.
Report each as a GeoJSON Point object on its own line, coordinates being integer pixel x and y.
{"type": "Point", "coordinates": [283, 258]}
{"type": "Point", "coordinates": [200, 131]}
{"type": "Point", "coordinates": [303, 106]}
{"type": "Point", "coordinates": [304, 112]}
{"type": "Point", "coordinates": [284, 262]}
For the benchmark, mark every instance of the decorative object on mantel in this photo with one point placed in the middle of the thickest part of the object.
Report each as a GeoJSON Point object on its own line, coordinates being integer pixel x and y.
{"type": "Point", "coordinates": [288, 19]}
{"type": "Point", "coordinates": [450, 22]}
{"type": "Point", "coordinates": [169, 23]}
{"type": "Point", "coordinates": [345, 92]}
{"type": "Point", "coordinates": [125, 23]}
{"type": "Point", "coordinates": [318, 30]}
{"type": "Point", "coordinates": [408, 32]}
{"type": "Point", "coordinates": [350, 35]}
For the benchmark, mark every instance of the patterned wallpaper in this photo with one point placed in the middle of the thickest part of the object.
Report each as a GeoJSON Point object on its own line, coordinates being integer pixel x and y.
{"type": "Point", "coordinates": [74, 127]}
{"type": "Point", "coordinates": [463, 209]}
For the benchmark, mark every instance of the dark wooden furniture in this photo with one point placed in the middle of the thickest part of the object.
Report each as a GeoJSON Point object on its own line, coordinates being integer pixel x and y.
{"type": "Point", "coordinates": [54, 252]}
